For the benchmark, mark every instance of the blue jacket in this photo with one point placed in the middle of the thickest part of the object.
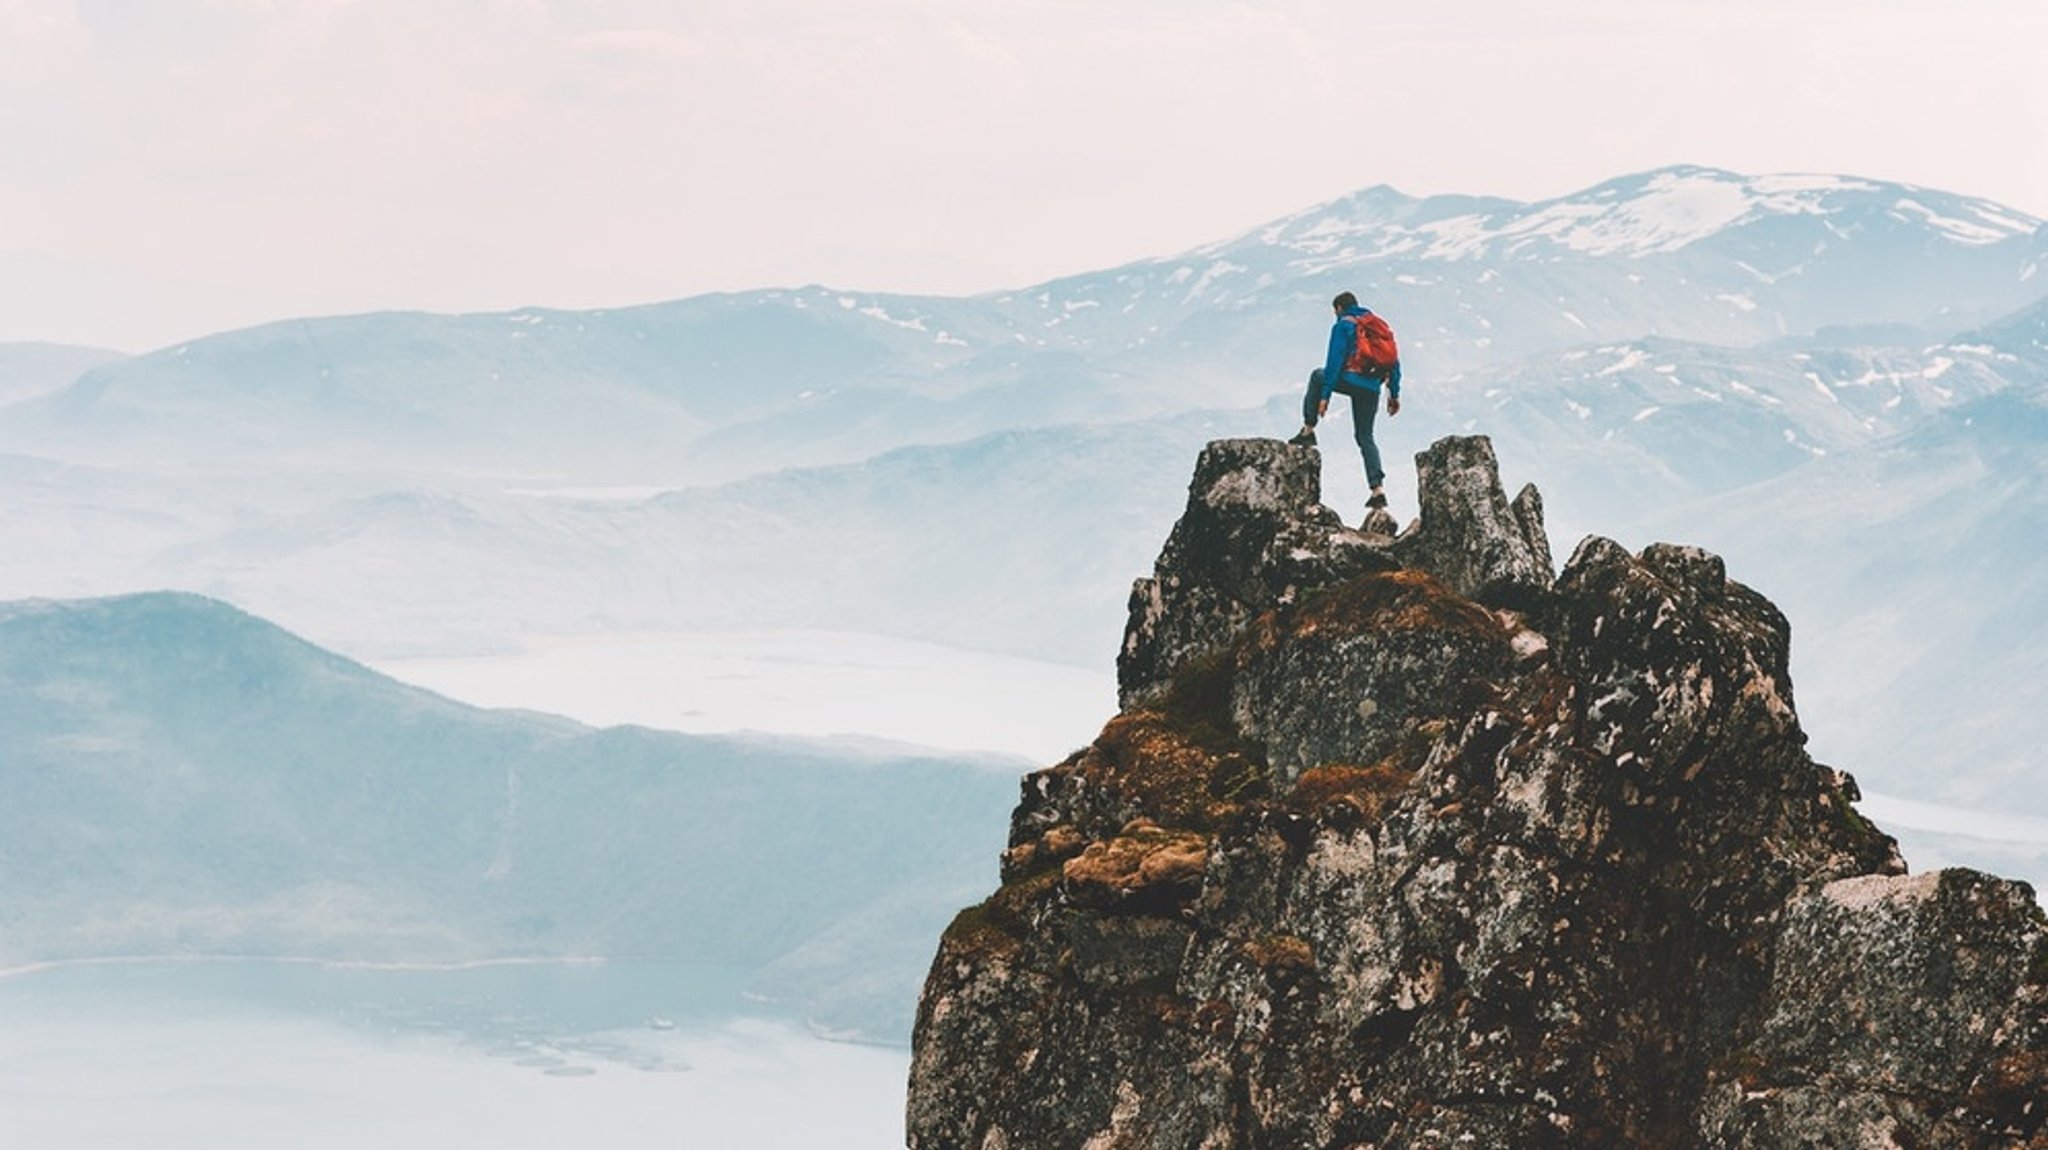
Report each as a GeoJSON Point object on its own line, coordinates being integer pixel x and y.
{"type": "Point", "coordinates": [1343, 334]}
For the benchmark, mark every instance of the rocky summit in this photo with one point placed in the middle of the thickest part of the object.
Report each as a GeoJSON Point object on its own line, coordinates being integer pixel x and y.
{"type": "Point", "coordinates": [1405, 840]}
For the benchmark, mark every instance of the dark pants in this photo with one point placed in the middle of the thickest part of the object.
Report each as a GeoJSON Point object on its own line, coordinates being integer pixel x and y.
{"type": "Point", "coordinates": [1365, 404]}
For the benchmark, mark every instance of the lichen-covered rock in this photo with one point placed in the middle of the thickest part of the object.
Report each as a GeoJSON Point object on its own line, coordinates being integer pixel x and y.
{"type": "Point", "coordinates": [1254, 533]}
{"type": "Point", "coordinates": [1409, 844]}
{"type": "Point", "coordinates": [1477, 542]}
{"type": "Point", "coordinates": [1900, 1008]}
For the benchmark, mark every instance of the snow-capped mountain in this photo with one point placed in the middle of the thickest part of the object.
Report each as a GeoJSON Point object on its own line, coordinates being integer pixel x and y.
{"type": "Point", "coordinates": [722, 386]}
{"type": "Point", "coordinates": [1684, 253]}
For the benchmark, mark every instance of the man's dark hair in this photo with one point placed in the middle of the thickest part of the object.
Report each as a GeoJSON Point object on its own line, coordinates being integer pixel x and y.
{"type": "Point", "coordinates": [1345, 301]}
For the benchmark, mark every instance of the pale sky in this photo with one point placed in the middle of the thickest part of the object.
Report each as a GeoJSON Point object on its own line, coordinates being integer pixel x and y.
{"type": "Point", "coordinates": [170, 168]}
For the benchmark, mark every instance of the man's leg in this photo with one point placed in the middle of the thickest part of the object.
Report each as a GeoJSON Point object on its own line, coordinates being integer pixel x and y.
{"type": "Point", "coordinates": [1310, 400]}
{"type": "Point", "coordinates": [1364, 406]}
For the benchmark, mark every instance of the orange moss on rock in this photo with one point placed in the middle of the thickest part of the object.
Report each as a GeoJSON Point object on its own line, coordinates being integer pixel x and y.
{"type": "Point", "coordinates": [1368, 790]}
{"type": "Point", "coordinates": [1056, 845]}
{"type": "Point", "coordinates": [1152, 762]}
{"type": "Point", "coordinates": [1403, 600]}
{"type": "Point", "coordinates": [1145, 857]}
{"type": "Point", "coordinates": [1281, 952]}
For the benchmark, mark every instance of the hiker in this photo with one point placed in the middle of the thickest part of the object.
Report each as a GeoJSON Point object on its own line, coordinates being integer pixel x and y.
{"type": "Point", "coordinates": [1361, 355]}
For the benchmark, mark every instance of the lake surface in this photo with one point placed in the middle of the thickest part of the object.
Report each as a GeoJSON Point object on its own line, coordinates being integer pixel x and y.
{"type": "Point", "coordinates": [232, 1054]}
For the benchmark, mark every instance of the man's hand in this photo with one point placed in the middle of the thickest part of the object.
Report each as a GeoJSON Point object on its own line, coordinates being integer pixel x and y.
{"type": "Point", "coordinates": [1322, 408]}
{"type": "Point", "coordinates": [1393, 405]}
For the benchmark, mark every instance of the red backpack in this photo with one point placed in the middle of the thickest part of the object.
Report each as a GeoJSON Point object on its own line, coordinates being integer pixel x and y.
{"type": "Point", "coordinates": [1372, 350]}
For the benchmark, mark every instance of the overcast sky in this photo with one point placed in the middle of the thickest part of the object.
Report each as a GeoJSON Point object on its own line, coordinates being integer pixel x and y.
{"type": "Point", "coordinates": [174, 167]}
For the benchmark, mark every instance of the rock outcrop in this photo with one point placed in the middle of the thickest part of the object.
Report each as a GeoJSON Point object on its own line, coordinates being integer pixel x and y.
{"type": "Point", "coordinates": [1404, 842]}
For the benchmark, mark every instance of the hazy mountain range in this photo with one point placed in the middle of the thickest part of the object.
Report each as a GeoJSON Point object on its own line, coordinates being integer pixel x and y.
{"type": "Point", "coordinates": [1836, 383]}
{"type": "Point", "coordinates": [717, 386]}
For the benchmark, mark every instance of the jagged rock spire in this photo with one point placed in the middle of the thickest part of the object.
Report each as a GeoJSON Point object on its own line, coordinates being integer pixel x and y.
{"type": "Point", "coordinates": [1405, 843]}
{"type": "Point", "coordinates": [1255, 533]}
{"type": "Point", "coordinates": [1469, 535]}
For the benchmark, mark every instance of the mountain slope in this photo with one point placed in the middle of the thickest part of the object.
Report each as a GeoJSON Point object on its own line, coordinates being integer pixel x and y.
{"type": "Point", "coordinates": [1916, 571]}
{"type": "Point", "coordinates": [182, 778]}
{"type": "Point", "coordinates": [954, 543]}
{"type": "Point", "coordinates": [31, 369]}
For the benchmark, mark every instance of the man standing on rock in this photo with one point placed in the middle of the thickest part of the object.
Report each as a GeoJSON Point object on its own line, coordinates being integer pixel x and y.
{"type": "Point", "coordinates": [1361, 356]}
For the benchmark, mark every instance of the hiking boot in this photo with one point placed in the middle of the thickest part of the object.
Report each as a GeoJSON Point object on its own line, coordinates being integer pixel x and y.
{"type": "Point", "coordinates": [1378, 500]}
{"type": "Point", "coordinates": [1306, 437]}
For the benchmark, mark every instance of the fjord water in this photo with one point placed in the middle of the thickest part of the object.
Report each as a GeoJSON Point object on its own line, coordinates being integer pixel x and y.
{"type": "Point", "coordinates": [248, 1054]}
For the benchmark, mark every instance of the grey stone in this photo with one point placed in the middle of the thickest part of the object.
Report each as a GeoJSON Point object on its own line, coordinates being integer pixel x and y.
{"type": "Point", "coordinates": [1409, 844]}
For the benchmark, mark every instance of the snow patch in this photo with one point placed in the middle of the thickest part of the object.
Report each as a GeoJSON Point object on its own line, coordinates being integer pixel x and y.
{"type": "Point", "coordinates": [1978, 233]}
{"type": "Point", "coordinates": [1803, 183]}
{"type": "Point", "coordinates": [881, 313]}
{"type": "Point", "coordinates": [1673, 210]}
{"type": "Point", "coordinates": [1631, 358]}
{"type": "Point", "coordinates": [1792, 439]}
{"type": "Point", "coordinates": [1215, 271]}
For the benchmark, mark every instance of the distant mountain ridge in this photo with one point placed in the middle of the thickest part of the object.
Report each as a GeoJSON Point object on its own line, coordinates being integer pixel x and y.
{"type": "Point", "coordinates": [718, 386]}
{"type": "Point", "coordinates": [1684, 253]}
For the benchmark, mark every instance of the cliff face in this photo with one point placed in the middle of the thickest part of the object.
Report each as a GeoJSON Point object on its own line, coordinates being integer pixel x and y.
{"type": "Point", "coordinates": [1401, 842]}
